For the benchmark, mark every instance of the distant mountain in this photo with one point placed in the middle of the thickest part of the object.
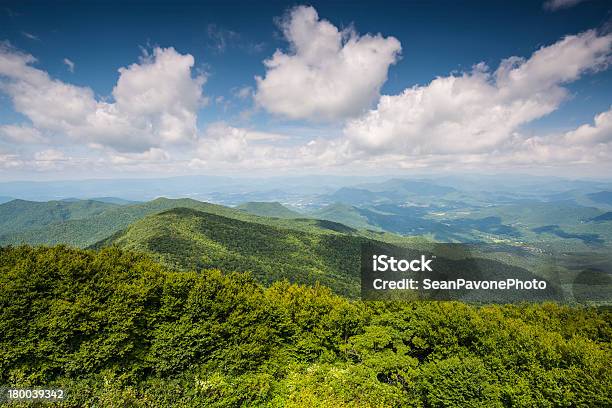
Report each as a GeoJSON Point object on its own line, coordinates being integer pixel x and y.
{"type": "Point", "coordinates": [268, 209]}
{"type": "Point", "coordinates": [603, 197]}
{"type": "Point", "coordinates": [355, 196]}
{"type": "Point", "coordinates": [589, 239]}
{"type": "Point", "coordinates": [87, 231]}
{"type": "Point", "coordinates": [409, 187]}
{"type": "Point", "coordinates": [344, 214]}
{"type": "Point", "coordinates": [185, 238]}
{"type": "Point", "coordinates": [390, 191]}
{"type": "Point", "coordinates": [607, 216]}
{"type": "Point", "coordinates": [113, 200]}
{"type": "Point", "coordinates": [21, 215]}
{"type": "Point", "coordinates": [199, 187]}
{"type": "Point", "coordinates": [5, 199]}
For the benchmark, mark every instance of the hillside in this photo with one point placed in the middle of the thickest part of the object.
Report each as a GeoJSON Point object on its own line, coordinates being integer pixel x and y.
{"type": "Point", "coordinates": [603, 197]}
{"type": "Point", "coordinates": [87, 231]}
{"type": "Point", "coordinates": [21, 215]}
{"type": "Point", "coordinates": [187, 239]}
{"type": "Point", "coordinates": [268, 209]}
{"type": "Point", "coordinates": [607, 216]}
{"type": "Point", "coordinates": [115, 329]}
{"type": "Point", "coordinates": [344, 214]}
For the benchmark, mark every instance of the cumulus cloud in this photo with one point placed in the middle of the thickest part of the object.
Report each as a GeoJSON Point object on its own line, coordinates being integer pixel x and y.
{"type": "Point", "coordinates": [587, 144]}
{"type": "Point", "coordinates": [225, 146]}
{"type": "Point", "coordinates": [328, 73]}
{"type": "Point", "coordinates": [599, 132]}
{"type": "Point", "coordinates": [478, 111]}
{"type": "Point", "coordinates": [554, 5]}
{"type": "Point", "coordinates": [155, 101]}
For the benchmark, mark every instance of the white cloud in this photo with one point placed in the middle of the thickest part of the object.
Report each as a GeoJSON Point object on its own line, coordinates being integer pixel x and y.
{"type": "Point", "coordinates": [155, 101]}
{"type": "Point", "coordinates": [49, 155]}
{"type": "Point", "coordinates": [554, 5]}
{"type": "Point", "coordinates": [599, 132]}
{"type": "Point", "coordinates": [10, 160]}
{"type": "Point", "coordinates": [20, 134]}
{"type": "Point", "coordinates": [225, 146]}
{"type": "Point", "coordinates": [69, 64]}
{"type": "Point", "coordinates": [587, 144]}
{"type": "Point", "coordinates": [153, 155]}
{"type": "Point", "coordinates": [160, 92]}
{"type": "Point", "coordinates": [327, 74]}
{"type": "Point", "coordinates": [50, 159]}
{"type": "Point", "coordinates": [478, 111]}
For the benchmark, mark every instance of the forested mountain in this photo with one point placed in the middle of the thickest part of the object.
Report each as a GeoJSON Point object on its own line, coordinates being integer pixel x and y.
{"type": "Point", "coordinates": [21, 215]}
{"type": "Point", "coordinates": [607, 216]}
{"type": "Point", "coordinates": [187, 239]}
{"type": "Point", "coordinates": [268, 209]}
{"type": "Point", "coordinates": [409, 187]}
{"type": "Point", "coordinates": [115, 329]}
{"type": "Point", "coordinates": [87, 231]}
{"type": "Point", "coordinates": [604, 197]}
{"type": "Point", "coordinates": [344, 214]}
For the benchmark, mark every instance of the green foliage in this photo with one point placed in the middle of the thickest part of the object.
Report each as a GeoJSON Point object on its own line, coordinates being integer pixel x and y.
{"type": "Point", "coordinates": [345, 214]}
{"type": "Point", "coordinates": [187, 239]}
{"type": "Point", "coordinates": [21, 215]}
{"type": "Point", "coordinates": [117, 329]}
{"type": "Point", "coordinates": [81, 231]}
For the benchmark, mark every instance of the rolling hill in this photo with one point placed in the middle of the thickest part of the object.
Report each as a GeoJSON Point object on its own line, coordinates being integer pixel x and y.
{"type": "Point", "coordinates": [21, 215]}
{"type": "Point", "coordinates": [356, 196]}
{"type": "Point", "coordinates": [187, 239]}
{"type": "Point", "coordinates": [344, 214]}
{"type": "Point", "coordinates": [87, 231]}
{"type": "Point", "coordinates": [603, 197]}
{"type": "Point", "coordinates": [607, 216]}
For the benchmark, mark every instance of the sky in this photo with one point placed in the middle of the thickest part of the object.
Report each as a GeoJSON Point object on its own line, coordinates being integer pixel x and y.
{"type": "Point", "coordinates": [149, 89]}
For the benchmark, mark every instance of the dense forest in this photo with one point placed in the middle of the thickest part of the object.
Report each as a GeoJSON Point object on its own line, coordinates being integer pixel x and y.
{"type": "Point", "coordinates": [186, 239]}
{"type": "Point", "coordinates": [115, 328]}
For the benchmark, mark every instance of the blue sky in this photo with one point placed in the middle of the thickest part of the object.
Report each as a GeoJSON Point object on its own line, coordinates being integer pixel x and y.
{"type": "Point", "coordinates": [242, 125]}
